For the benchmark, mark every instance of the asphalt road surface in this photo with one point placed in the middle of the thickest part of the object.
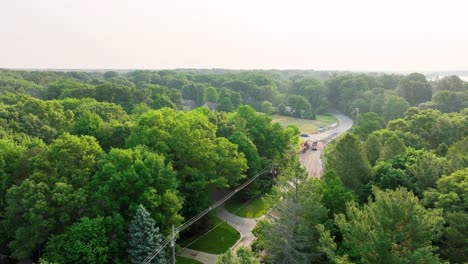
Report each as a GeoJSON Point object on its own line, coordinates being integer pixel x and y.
{"type": "Point", "coordinates": [311, 160]}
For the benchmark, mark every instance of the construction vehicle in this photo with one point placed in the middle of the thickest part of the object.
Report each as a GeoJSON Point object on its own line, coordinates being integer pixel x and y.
{"type": "Point", "coordinates": [314, 145]}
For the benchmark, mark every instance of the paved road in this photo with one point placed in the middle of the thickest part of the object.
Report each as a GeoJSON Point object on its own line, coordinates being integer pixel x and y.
{"type": "Point", "coordinates": [241, 224]}
{"type": "Point", "coordinates": [200, 256]}
{"type": "Point", "coordinates": [312, 160]}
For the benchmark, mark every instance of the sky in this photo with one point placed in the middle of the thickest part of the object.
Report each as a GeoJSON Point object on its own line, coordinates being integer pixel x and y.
{"type": "Point", "coordinates": [370, 35]}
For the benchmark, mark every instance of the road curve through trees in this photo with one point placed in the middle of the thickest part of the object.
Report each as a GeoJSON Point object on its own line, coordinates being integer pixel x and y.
{"type": "Point", "coordinates": [310, 160]}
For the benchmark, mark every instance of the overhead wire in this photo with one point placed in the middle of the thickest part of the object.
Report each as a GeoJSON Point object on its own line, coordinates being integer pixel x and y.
{"type": "Point", "coordinates": [204, 212]}
{"type": "Point", "coordinates": [237, 210]}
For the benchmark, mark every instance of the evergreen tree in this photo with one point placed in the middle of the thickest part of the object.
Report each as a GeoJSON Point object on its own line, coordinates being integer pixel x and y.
{"type": "Point", "coordinates": [242, 256]}
{"type": "Point", "coordinates": [393, 228]}
{"type": "Point", "coordinates": [392, 147]}
{"type": "Point", "coordinates": [144, 238]}
{"type": "Point", "coordinates": [290, 235]}
{"type": "Point", "coordinates": [373, 148]}
{"type": "Point", "coordinates": [348, 160]}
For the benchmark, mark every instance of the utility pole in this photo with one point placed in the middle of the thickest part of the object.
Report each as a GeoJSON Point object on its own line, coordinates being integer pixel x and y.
{"type": "Point", "coordinates": [357, 116]}
{"type": "Point", "coordinates": [173, 245]}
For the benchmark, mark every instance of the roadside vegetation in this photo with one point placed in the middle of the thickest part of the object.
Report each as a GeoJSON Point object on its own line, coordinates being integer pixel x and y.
{"type": "Point", "coordinates": [90, 162]}
{"type": "Point", "coordinates": [219, 239]}
{"type": "Point", "coordinates": [182, 260]}
{"type": "Point", "coordinates": [251, 209]}
{"type": "Point", "coordinates": [305, 125]}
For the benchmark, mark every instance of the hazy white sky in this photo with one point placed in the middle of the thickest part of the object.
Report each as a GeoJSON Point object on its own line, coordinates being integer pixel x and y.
{"type": "Point", "coordinates": [240, 34]}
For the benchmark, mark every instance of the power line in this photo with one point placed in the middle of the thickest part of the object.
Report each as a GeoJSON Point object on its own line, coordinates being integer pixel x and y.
{"type": "Point", "coordinates": [207, 210]}
{"type": "Point", "coordinates": [242, 206]}
{"type": "Point", "coordinates": [203, 213]}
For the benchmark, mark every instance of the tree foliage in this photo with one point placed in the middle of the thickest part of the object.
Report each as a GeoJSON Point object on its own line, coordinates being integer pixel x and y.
{"type": "Point", "coordinates": [83, 242]}
{"type": "Point", "coordinates": [144, 238]}
{"type": "Point", "coordinates": [347, 158]}
{"type": "Point", "coordinates": [243, 255]}
{"type": "Point", "coordinates": [415, 89]}
{"type": "Point", "coordinates": [393, 228]}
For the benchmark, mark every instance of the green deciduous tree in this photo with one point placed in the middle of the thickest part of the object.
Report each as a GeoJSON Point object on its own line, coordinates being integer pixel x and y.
{"type": "Point", "coordinates": [299, 105]}
{"type": "Point", "coordinates": [128, 177]}
{"type": "Point", "coordinates": [451, 192]}
{"type": "Point", "coordinates": [334, 194]}
{"type": "Point", "coordinates": [394, 107]}
{"type": "Point", "coordinates": [201, 159]}
{"type": "Point", "coordinates": [83, 242]}
{"type": "Point", "coordinates": [115, 93]}
{"type": "Point", "coordinates": [195, 92]}
{"type": "Point", "coordinates": [449, 83]}
{"type": "Point", "coordinates": [268, 108]}
{"type": "Point", "coordinates": [10, 154]}
{"type": "Point", "coordinates": [211, 95]}
{"type": "Point", "coordinates": [87, 124]}
{"type": "Point", "coordinates": [225, 104]}
{"type": "Point", "coordinates": [69, 88]}
{"type": "Point", "coordinates": [415, 89]}
{"type": "Point", "coordinates": [367, 123]}
{"type": "Point", "coordinates": [394, 173]}
{"type": "Point", "coordinates": [54, 196]}
{"type": "Point", "coordinates": [246, 146]}
{"type": "Point", "coordinates": [34, 117]}
{"type": "Point", "coordinates": [448, 101]}
{"type": "Point", "coordinates": [313, 90]}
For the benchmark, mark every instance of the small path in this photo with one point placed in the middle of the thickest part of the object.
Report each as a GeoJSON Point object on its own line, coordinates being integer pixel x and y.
{"type": "Point", "coordinates": [203, 257]}
{"type": "Point", "coordinates": [241, 224]}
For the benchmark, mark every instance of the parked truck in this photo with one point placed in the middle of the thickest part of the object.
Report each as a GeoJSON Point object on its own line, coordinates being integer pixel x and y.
{"type": "Point", "coordinates": [314, 145]}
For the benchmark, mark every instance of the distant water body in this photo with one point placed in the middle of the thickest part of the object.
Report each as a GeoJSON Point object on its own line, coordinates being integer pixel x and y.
{"type": "Point", "coordinates": [465, 78]}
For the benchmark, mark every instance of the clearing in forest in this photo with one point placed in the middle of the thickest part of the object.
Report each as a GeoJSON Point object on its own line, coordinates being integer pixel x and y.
{"type": "Point", "coordinates": [306, 126]}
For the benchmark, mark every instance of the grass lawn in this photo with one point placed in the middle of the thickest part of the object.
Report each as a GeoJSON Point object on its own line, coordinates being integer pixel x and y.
{"type": "Point", "coordinates": [305, 125]}
{"type": "Point", "coordinates": [217, 241]}
{"type": "Point", "coordinates": [255, 208]}
{"type": "Point", "coordinates": [182, 260]}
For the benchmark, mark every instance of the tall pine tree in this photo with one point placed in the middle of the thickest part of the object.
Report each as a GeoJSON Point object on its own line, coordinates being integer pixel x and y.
{"type": "Point", "coordinates": [392, 147]}
{"type": "Point", "coordinates": [348, 159]}
{"type": "Point", "coordinates": [144, 238]}
{"type": "Point", "coordinates": [373, 147]}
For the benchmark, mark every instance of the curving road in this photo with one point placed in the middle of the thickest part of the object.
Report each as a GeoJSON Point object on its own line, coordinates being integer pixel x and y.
{"type": "Point", "coordinates": [241, 224]}
{"type": "Point", "coordinates": [200, 256]}
{"type": "Point", "coordinates": [310, 160]}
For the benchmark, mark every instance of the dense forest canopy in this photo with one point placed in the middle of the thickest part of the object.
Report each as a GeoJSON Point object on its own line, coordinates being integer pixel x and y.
{"type": "Point", "coordinates": [87, 156]}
